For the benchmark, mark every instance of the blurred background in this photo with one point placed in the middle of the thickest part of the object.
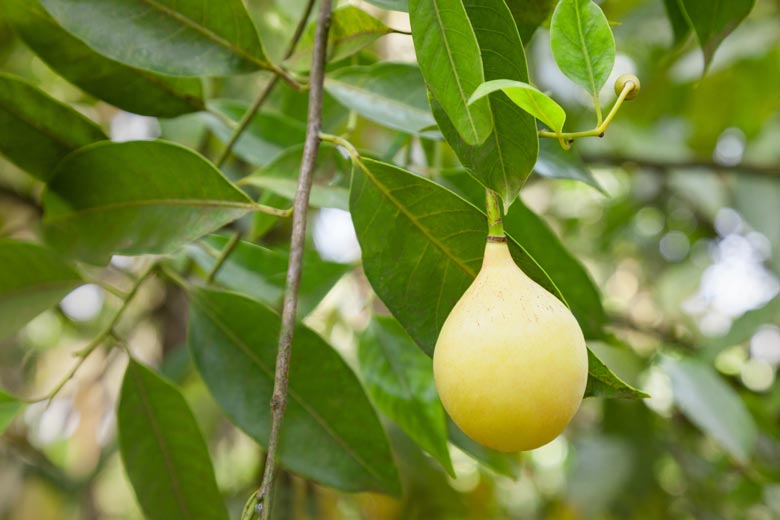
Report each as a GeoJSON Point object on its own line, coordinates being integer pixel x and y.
{"type": "Point", "coordinates": [684, 243]}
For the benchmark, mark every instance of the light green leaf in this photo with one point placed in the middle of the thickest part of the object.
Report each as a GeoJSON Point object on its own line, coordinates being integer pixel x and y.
{"type": "Point", "coordinates": [556, 163]}
{"type": "Point", "coordinates": [399, 379]}
{"type": "Point", "coordinates": [390, 94]}
{"type": "Point", "coordinates": [163, 450]}
{"type": "Point", "coordinates": [505, 160]}
{"type": "Point", "coordinates": [712, 405]}
{"type": "Point", "coordinates": [9, 407]}
{"type": "Point", "coordinates": [180, 38]}
{"type": "Point", "coordinates": [529, 98]}
{"type": "Point", "coordinates": [131, 89]}
{"type": "Point", "coordinates": [529, 15]}
{"type": "Point", "coordinates": [261, 273]}
{"type": "Point", "coordinates": [714, 21]}
{"type": "Point", "coordinates": [450, 62]}
{"type": "Point", "coordinates": [266, 137]}
{"type": "Point", "coordinates": [330, 434]}
{"type": "Point", "coordinates": [331, 177]}
{"type": "Point", "coordinates": [32, 279]}
{"type": "Point", "coordinates": [392, 5]}
{"type": "Point", "coordinates": [136, 198]}
{"type": "Point", "coordinates": [37, 131]}
{"type": "Point", "coordinates": [602, 382]}
{"type": "Point", "coordinates": [582, 43]}
{"type": "Point", "coordinates": [351, 29]}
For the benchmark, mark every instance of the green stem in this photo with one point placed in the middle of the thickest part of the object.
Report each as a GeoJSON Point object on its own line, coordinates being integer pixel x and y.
{"type": "Point", "coordinates": [224, 255]}
{"type": "Point", "coordinates": [565, 137]}
{"type": "Point", "coordinates": [597, 107]}
{"type": "Point", "coordinates": [495, 225]}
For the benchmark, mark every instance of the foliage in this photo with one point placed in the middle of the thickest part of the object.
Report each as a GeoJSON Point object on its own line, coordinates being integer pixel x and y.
{"type": "Point", "coordinates": [164, 256]}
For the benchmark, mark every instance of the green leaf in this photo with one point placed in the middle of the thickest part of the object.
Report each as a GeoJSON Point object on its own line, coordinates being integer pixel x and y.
{"type": "Point", "coordinates": [505, 464]}
{"type": "Point", "coordinates": [33, 278]}
{"type": "Point", "coordinates": [37, 131]}
{"type": "Point", "coordinates": [131, 89]}
{"type": "Point", "coordinates": [529, 14]}
{"type": "Point", "coordinates": [392, 5]}
{"type": "Point", "coordinates": [742, 329]}
{"type": "Point", "coordinates": [529, 98]}
{"type": "Point", "coordinates": [261, 273]}
{"type": "Point", "coordinates": [390, 94]}
{"type": "Point", "coordinates": [712, 405]}
{"type": "Point", "coordinates": [330, 434]}
{"type": "Point", "coordinates": [582, 43]}
{"type": "Point", "coordinates": [9, 407]}
{"type": "Point", "coordinates": [556, 163]}
{"type": "Point", "coordinates": [180, 38]}
{"type": "Point", "coordinates": [163, 450]}
{"type": "Point", "coordinates": [505, 160]}
{"type": "Point", "coordinates": [714, 21]}
{"type": "Point", "coordinates": [679, 22]}
{"type": "Point", "coordinates": [136, 198]}
{"type": "Point", "coordinates": [399, 379]}
{"type": "Point", "coordinates": [438, 243]}
{"type": "Point", "coordinates": [450, 62]}
{"type": "Point", "coordinates": [351, 29]}
{"type": "Point", "coordinates": [331, 177]}
{"type": "Point", "coordinates": [266, 137]}
{"type": "Point", "coordinates": [602, 382]}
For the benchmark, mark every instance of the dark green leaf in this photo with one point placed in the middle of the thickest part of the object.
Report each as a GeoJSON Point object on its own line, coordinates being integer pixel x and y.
{"type": "Point", "coordinates": [134, 90]}
{"type": "Point", "coordinates": [181, 38]}
{"type": "Point", "coordinates": [390, 94]}
{"type": "Point", "coordinates": [529, 14]}
{"type": "Point", "coordinates": [712, 405]}
{"type": "Point", "coordinates": [163, 450]}
{"type": "Point", "coordinates": [9, 407]}
{"type": "Point", "coordinates": [556, 163]}
{"type": "Point", "coordinates": [331, 177]}
{"type": "Point", "coordinates": [37, 131]}
{"type": "Point", "coordinates": [450, 62]}
{"type": "Point", "coordinates": [399, 379]}
{"type": "Point", "coordinates": [527, 97]}
{"type": "Point", "coordinates": [582, 43]}
{"type": "Point", "coordinates": [262, 273]}
{"type": "Point", "coordinates": [602, 382]}
{"type": "Point", "coordinates": [504, 161]}
{"type": "Point", "coordinates": [266, 137]}
{"type": "Point", "coordinates": [351, 29]}
{"type": "Point", "coordinates": [32, 279]}
{"type": "Point", "coordinates": [330, 434]}
{"type": "Point", "coordinates": [677, 19]}
{"type": "Point", "coordinates": [135, 198]}
{"type": "Point", "coordinates": [714, 21]}
{"type": "Point", "coordinates": [502, 463]}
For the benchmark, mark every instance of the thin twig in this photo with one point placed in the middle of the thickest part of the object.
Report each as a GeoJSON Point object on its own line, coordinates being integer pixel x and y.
{"type": "Point", "coordinates": [223, 256]}
{"type": "Point", "coordinates": [297, 244]}
{"type": "Point", "coordinates": [755, 170]}
{"type": "Point", "coordinates": [266, 92]}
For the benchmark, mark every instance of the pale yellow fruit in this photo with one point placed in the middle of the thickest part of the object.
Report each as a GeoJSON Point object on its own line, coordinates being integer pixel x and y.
{"type": "Point", "coordinates": [510, 363]}
{"type": "Point", "coordinates": [620, 84]}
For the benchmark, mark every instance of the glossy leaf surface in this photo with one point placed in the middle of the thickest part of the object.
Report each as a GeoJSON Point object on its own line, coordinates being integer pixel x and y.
{"type": "Point", "coordinates": [330, 434]}
{"type": "Point", "coordinates": [180, 38]}
{"type": "Point", "coordinates": [131, 89]}
{"type": "Point", "coordinates": [527, 97]}
{"type": "Point", "coordinates": [450, 62]}
{"type": "Point", "coordinates": [714, 21]}
{"type": "Point", "coordinates": [163, 450]}
{"type": "Point", "coordinates": [36, 130]}
{"type": "Point", "coordinates": [134, 198]}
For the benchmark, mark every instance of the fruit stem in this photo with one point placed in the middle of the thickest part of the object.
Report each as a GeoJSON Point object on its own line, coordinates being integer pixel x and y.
{"type": "Point", "coordinates": [495, 226]}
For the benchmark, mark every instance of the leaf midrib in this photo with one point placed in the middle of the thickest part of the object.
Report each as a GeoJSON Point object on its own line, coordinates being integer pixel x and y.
{"type": "Point", "coordinates": [377, 96]}
{"type": "Point", "coordinates": [584, 47]}
{"type": "Point", "coordinates": [215, 318]}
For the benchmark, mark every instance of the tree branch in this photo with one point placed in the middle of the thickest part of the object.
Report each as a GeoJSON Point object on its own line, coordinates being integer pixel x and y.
{"type": "Point", "coordinates": [266, 92]}
{"type": "Point", "coordinates": [297, 244]}
{"type": "Point", "coordinates": [755, 170]}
